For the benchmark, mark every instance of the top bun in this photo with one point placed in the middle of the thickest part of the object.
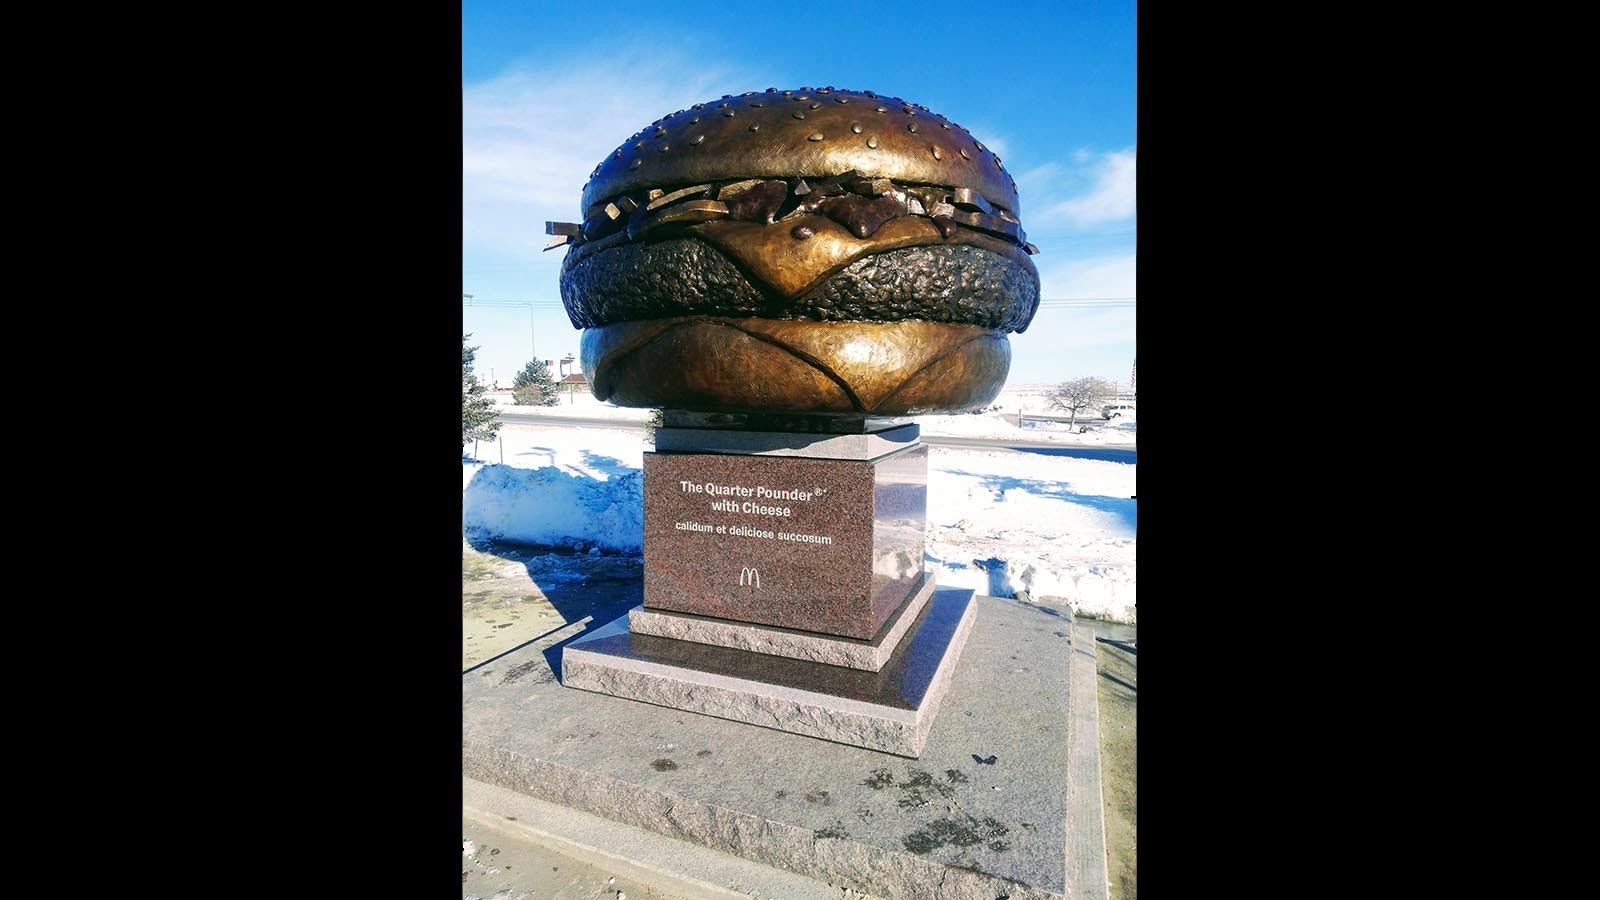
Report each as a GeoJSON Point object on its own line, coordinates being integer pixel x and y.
{"type": "Point", "coordinates": [806, 133]}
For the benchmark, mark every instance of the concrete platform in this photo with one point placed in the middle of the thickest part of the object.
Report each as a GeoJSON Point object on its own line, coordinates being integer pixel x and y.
{"type": "Point", "coordinates": [983, 813]}
{"type": "Point", "coordinates": [549, 852]}
{"type": "Point", "coordinates": [889, 710]}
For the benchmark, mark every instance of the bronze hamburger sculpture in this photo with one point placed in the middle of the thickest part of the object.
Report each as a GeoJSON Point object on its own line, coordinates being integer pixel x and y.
{"type": "Point", "coordinates": [812, 251]}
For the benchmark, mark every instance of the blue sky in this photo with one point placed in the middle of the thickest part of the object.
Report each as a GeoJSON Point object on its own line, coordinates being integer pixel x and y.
{"type": "Point", "coordinates": [548, 89]}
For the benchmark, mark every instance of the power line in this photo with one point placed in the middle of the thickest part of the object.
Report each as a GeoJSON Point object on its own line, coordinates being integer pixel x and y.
{"type": "Point", "coordinates": [529, 305]}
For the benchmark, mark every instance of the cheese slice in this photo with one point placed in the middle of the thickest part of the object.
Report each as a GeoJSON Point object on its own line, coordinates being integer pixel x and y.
{"type": "Point", "coordinates": [789, 265]}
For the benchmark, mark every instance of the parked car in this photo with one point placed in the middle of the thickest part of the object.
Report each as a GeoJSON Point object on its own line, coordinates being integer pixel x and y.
{"type": "Point", "coordinates": [1118, 410]}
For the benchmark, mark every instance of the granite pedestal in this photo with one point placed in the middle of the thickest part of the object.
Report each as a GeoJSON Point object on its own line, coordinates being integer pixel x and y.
{"type": "Point", "coordinates": [784, 583]}
{"type": "Point", "coordinates": [852, 653]}
{"type": "Point", "coordinates": [889, 710]}
{"type": "Point", "coordinates": [827, 545]}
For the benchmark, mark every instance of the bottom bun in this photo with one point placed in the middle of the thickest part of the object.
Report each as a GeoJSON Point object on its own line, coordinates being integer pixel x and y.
{"type": "Point", "coordinates": [713, 364]}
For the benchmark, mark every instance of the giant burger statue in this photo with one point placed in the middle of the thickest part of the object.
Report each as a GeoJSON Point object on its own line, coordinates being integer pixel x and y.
{"type": "Point", "coordinates": [790, 276]}
{"type": "Point", "coordinates": [803, 251]}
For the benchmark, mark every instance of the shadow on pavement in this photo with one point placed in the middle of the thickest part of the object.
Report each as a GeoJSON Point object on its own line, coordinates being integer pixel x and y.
{"type": "Point", "coordinates": [592, 590]}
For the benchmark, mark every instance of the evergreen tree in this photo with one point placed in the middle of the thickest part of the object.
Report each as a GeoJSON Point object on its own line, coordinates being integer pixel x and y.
{"type": "Point", "coordinates": [656, 419]}
{"type": "Point", "coordinates": [477, 410]}
{"type": "Point", "coordinates": [533, 386]}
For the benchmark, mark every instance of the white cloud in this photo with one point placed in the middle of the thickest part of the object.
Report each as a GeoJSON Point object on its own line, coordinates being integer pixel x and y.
{"type": "Point", "coordinates": [531, 136]}
{"type": "Point", "coordinates": [1113, 197]}
{"type": "Point", "coordinates": [1103, 276]}
{"type": "Point", "coordinates": [1038, 180]}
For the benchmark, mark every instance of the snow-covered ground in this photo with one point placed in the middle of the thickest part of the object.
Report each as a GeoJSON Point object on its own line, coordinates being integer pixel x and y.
{"type": "Point", "coordinates": [999, 420]}
{"type": "Point", "coordinates": [999, 521]}
{"type": "Point", "coordinates": [578, 403]}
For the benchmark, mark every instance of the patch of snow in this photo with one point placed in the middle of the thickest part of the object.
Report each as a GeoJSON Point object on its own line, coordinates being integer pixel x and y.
{"type": "Point", "coordinates": [992, 425]}
{"type": "Point", "coordinates": [552, 508]}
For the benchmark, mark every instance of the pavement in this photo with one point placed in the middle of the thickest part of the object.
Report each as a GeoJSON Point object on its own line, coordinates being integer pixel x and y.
{"type": "Point", "coordinates": [516, 847]}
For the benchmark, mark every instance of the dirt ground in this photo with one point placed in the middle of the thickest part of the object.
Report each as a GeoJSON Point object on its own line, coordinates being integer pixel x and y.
{"type": "Point", "coordinates": [511, 595]}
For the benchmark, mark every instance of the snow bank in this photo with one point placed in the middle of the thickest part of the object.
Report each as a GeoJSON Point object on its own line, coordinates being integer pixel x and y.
{"type": "Point", "coordinates": [577, 403]}
{"type": "Point", "coordinates": [551, 508]}
{"type": "Point", "coordinates": [1062, 529]}
{"type": "Point", "coordinates": [1092, 589]}
{"type": "Point", "coordinates": [1059, 529]}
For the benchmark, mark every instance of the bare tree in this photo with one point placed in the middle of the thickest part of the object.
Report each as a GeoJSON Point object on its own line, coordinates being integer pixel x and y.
{"type": "Point", "coordinates": [1082, 393]}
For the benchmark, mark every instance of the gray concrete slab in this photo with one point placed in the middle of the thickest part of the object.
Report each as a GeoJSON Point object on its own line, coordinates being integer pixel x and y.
{"type": "Point", "coordinates": [549, 852]}
{"type": "Point", "coordinates": [1087, 866]}
{"type": "Point", "coordinates": [982, 813]}
{"type": "Point", "coordinates": [834, 650]}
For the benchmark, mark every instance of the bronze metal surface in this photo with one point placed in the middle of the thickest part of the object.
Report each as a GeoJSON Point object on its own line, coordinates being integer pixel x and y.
{"type": "Point", "coordinates": [957, 282]}
{"type": "Point", "coordinates": [693, 211]}
{"type": "Point", "coordinates": [811, 251]}
{"type": "Point", "coordinates": [771, 135]}
{"type": "Point", "coordinates": [859, 203]}
{"type": "Point", "coordinates": [789, 267]}
{"type": "Point", "coordinates": [755, 365]}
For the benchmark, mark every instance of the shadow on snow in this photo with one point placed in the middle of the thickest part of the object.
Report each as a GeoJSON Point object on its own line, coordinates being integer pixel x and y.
{"type": "Point", "coordinates": [1126, 509]}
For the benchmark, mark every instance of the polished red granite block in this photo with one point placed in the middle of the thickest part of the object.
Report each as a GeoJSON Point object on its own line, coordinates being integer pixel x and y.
{"type": "Point", "coordinates": [824, 545]}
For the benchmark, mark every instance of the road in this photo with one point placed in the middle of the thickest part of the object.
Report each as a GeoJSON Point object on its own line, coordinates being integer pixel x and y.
{"type": "Point", "coordinates": [1020, 444]}
{"type": "Point", "coordinates": [1081, 420]}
